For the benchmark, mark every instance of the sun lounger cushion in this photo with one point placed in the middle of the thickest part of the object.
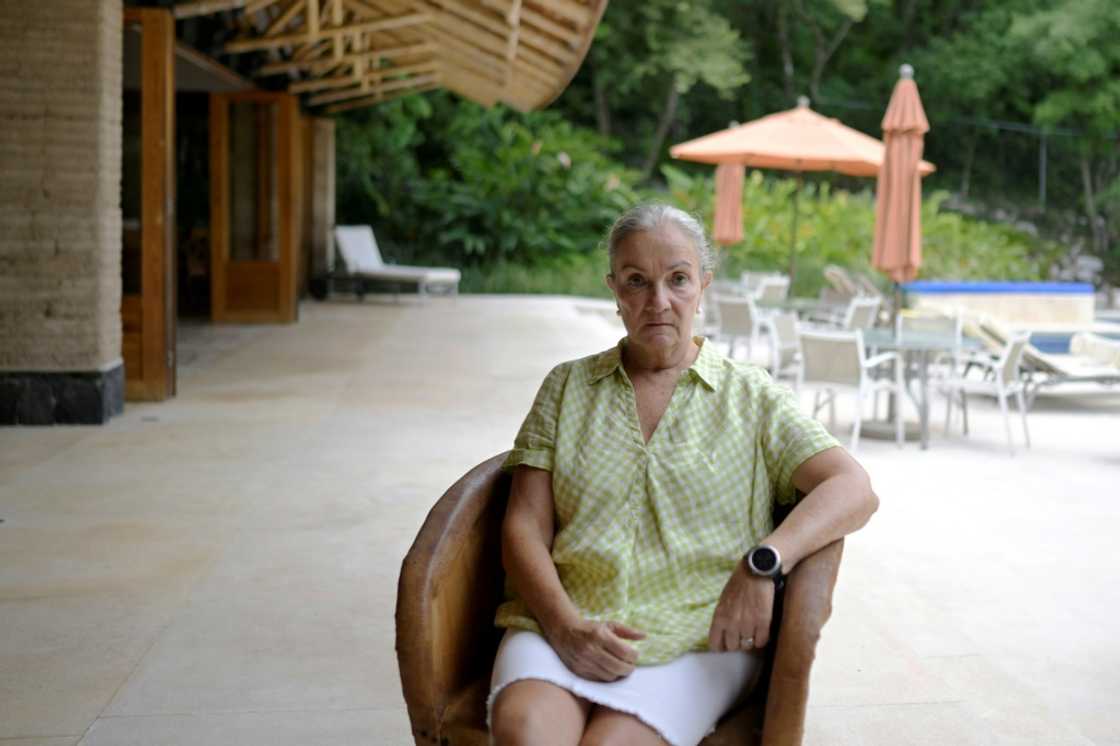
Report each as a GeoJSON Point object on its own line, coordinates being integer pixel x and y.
{"type": "Point", "coordinates": [1099, 349]}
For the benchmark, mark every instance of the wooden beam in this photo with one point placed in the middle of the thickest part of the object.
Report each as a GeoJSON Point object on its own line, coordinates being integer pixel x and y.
{"type": "Point", "coordinates": [471, 34]}
{"type": "Point", "coordinates": [573, 11]}
{"type": "Point", "coordinates": [379, 99]}
{"type": "Point", "coordinates": [312, 20]}
{"type": "Point", "coordinates": [281, 21]}
{"type": "Point", "coordinates": [462, 10]}
{"type": "Point", "coordinates": [530, 17]}
{"type": "Point", "coordinates": [542, 43]}
{"type": "Point", "coordinates": [284, 40]}
{"type": "Point", "coordinates": [539, 61]}
{"type": "Point", "coordinates": [307, 86]}
{"type": "Point", "coordinates": [388, 85]}
{"type": "Point", "coordinates": [502, 6]}
{"type": "Point", "coordinates": [254, 6]}
{"type": "Point", "coordinates": [480, 59]}
{"type": "Point", "coordinates": [193, 8]}
{"type": "Point", "coordinates": [320, 66]}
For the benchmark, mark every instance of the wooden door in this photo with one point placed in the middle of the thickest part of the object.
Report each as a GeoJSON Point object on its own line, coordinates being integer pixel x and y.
{"type": "Point", "coordinates": [148, 259]}
{"type": "Point", "coordinates": [255, 184]}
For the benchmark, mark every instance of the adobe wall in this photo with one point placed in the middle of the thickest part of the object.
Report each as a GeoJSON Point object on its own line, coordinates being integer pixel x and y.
{"type": "Point", "coordinates": [60, 217]}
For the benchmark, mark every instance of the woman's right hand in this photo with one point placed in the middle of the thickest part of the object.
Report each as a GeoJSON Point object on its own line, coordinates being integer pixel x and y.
{"type": "Point", "coordinates": [595, 650]}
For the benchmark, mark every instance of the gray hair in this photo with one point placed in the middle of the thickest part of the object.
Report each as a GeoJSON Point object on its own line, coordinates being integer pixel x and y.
{"type": "Point", "coordinates": [651, 215]}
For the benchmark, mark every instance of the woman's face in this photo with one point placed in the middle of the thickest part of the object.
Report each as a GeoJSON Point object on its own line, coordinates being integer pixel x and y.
{"type": "Point", "coordinates": [658, 282]}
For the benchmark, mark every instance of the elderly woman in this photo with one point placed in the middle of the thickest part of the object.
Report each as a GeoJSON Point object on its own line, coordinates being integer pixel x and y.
{"type": "Point", "coordinates": [638, 542]}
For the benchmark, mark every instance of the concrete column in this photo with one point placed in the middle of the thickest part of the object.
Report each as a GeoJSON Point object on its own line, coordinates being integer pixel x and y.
{"type": "Point", "coordinates": [60, 217]}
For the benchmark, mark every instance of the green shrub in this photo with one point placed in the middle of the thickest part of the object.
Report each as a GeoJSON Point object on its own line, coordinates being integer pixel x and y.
{"type": "Point", "coordinates": [837, 227]}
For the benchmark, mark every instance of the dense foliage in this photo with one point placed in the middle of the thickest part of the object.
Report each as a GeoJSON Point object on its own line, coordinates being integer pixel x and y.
{"type": "Point", "coordinates": [1021, 94]}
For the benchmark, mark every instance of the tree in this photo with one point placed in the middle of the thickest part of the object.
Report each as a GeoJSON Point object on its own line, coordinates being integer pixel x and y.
{"type": "Point", "coordinates": [647, 56]}
{"type": "Point", "coordinates": [1076, 54]}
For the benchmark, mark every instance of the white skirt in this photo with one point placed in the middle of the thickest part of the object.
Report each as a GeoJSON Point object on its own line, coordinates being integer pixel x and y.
{"type": "Point", "coordinates": [682, 700]}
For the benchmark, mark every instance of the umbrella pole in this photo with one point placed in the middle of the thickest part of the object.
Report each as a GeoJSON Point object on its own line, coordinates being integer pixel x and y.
{"type": "Point", "coordinates": [793, 230]}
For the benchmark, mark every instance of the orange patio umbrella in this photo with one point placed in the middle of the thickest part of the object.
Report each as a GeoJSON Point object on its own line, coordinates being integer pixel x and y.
{"type": "Point", "coordinates": [796, 140]}
{"type": "Point", "coordinates": [898, 208]}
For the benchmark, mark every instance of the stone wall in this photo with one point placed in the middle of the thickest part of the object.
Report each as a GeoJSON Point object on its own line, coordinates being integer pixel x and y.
{"type": "Point", "coordinates": [60, 188]}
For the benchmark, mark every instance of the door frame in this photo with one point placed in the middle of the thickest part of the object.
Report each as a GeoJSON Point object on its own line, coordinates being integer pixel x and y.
{"type": "Point", "coordinates": [155, 313]}
{"type": "Point", "coordinates": [283, 272]}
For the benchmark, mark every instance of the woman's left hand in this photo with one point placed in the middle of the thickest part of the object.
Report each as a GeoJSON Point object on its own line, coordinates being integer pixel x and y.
{"type": "Point", "coordinates": [742, 617]}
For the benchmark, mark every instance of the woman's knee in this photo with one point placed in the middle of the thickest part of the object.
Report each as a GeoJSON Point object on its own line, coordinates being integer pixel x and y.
{"type": "Point", "coordinates": [535, 712]}
{"type": "Point", "coordinates": [612, 728]}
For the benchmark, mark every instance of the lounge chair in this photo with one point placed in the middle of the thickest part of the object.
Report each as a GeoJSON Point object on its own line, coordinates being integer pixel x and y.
{"type": "Point", "coordinates": [1092, 359]}
{"type": "Point", "coordinates": [362, 259]}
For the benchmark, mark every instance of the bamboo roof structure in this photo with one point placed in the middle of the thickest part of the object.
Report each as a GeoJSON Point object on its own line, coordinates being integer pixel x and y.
{"type": "Point", "coordinates": [346, 54]}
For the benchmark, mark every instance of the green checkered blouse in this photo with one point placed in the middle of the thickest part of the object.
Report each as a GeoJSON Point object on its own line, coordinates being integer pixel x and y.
{"type": "Point", "coordinates": [648, 534]}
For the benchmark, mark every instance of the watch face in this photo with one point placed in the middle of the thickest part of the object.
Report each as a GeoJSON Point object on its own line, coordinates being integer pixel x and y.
{"type": "Point", "coordinates": [764, 560]}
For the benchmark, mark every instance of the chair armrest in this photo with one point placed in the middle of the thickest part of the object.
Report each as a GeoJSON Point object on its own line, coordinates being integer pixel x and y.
{"type": "Point", "coordinates": [883, 357]}
{"type": "Point", "coordinates": [449, 587]}
{"type": "Point", "coordinates": [807, 604]}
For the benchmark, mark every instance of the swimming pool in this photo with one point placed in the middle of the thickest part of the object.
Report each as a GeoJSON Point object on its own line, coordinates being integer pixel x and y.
{"type": "Point", "coordinates": [1057, 343]}
{"type": "Point", "coordinates": [1021, 305]}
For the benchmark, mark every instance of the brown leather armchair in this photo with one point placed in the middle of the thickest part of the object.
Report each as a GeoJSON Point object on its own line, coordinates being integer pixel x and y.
{"type": "Point", "coordinates": [452, 582]}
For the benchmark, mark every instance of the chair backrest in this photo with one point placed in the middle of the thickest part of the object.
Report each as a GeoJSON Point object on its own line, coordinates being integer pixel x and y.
{"type": "Point", "coordinates": [751, 280]}
{"type": "Point", "coordinates": [832, 357]}
{"type": "Point", "coordinates": [866, 285]}
{"type": "Point", "coordinates": [933, 323]}
{"type": "Point", "coordinates": [737, 316]}
{"type": "Point", "coordinates": [774, 288]}
{"type": "Point", "coordinates": [1012, 356]}
{"type": "Point", "coordinates": [840, 281]}
{"type": "Point", "coordinates": [728, 287]}
{"type": "Point", "coordinates": [862, 313]}
{"type": "Point", "coordinates": [358, 247]}
{"type": "Point", "coordinates": [786, 342]}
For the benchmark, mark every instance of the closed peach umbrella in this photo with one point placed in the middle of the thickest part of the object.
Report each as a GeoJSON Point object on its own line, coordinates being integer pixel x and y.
{"type": "Point", "coordinates": [727, 225]}
{"type": "Point", "coordinates": [897, 250]}
{"type": "Point", "coordinates": [796, 140]}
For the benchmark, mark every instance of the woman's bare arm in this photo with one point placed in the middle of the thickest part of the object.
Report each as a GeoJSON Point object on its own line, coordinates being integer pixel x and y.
{"type": "Point", "coordinates": [591, 649]}
{"type": "Point", "coordinates": [527, 534]}
{"type": "Point", "coordinates": [838, 500]}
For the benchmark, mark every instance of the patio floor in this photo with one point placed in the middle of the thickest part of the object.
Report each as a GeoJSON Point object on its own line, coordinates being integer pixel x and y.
{"type": "Point", "coordinates": [221, 568]}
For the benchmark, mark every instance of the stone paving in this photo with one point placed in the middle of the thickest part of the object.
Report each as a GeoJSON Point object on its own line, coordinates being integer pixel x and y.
{"type": "Point", "coordinates": [221, 568]}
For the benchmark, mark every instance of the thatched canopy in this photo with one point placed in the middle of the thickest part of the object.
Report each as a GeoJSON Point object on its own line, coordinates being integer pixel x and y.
{"type": "Point", "coordinates": [344, 54]}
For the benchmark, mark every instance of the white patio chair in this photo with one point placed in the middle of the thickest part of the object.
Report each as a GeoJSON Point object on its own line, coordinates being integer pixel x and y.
{"type": "Point", "coordinates": [363, 260]}
{"type": "Point", "coordinates": [785, 348]}
{"type": "Point", "coordinates": [738, 320]}
{"type": "Point", "coordinates": [1005, 380]}
{"type": "Point", "coordinates": [860, 313]}
{"type": "Point", "coordinates": [772, 289]}
{"type": "Point", "coordinates": [750, 281]}
{"type": "Point", "coordinates": [837, 360]}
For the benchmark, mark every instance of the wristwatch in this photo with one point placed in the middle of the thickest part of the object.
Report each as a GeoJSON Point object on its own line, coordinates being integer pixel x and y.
{"type": "Point", "coordinates": [764, 561]}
